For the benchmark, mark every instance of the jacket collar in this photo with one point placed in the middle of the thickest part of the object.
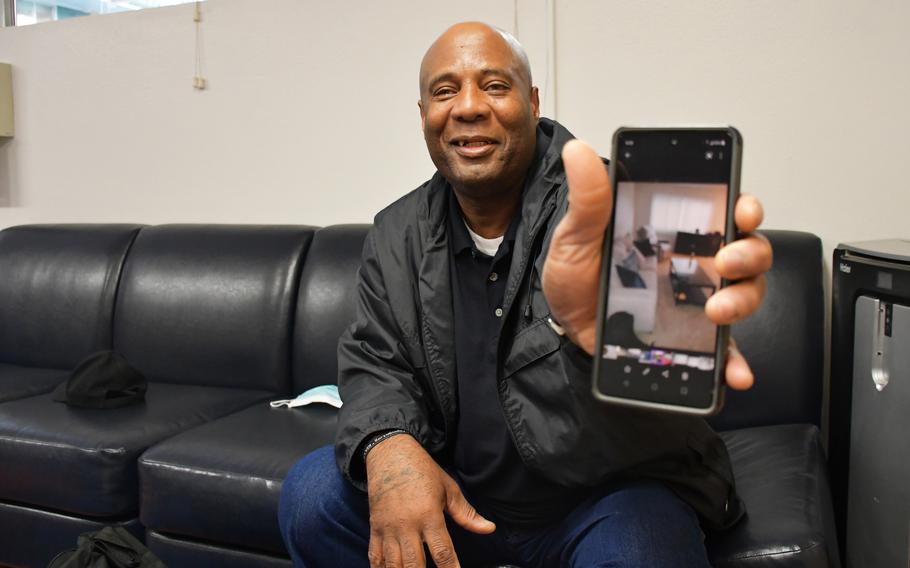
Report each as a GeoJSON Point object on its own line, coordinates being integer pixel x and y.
{"type": "Point", "coordinates": [546, 173]}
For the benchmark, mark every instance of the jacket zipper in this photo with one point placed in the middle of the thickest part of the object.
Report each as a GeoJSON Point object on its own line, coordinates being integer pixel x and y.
{"type": "Point", "coordinates": [545, 215]}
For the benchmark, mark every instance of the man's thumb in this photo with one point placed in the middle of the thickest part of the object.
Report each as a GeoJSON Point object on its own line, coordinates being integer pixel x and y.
{"type": "Point", "coordinates": [590, 197]}
{"type": "Point", "coordinates": [464, 514]}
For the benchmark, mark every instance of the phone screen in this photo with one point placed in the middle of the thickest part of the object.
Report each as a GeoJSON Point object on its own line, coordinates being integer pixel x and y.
{"type": "Point", "coordinates": [672, 212]}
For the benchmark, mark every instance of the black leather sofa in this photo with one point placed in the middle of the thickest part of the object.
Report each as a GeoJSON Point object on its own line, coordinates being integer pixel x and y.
{"type": "Point", "coordinates": [222, 319]}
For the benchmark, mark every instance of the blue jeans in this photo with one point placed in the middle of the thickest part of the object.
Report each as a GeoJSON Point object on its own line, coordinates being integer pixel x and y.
{"type": "Point", "coordinates": [325, 523]}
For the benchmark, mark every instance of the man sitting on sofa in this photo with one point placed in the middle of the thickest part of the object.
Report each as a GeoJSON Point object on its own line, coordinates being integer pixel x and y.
{"type": "Point", "coordinates": [467, 412]}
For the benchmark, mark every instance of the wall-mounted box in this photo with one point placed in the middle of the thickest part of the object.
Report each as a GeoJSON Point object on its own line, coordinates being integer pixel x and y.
{"type": "Point", "coordinates": [6, 100]}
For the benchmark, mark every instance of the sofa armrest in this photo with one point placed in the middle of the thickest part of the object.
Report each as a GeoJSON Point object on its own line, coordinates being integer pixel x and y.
{"type": "Point", "coordinates": [781, 477]}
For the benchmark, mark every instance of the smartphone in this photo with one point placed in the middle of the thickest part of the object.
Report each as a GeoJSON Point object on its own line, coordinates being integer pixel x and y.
{"type": "Point", "coordinates": [674, 192]}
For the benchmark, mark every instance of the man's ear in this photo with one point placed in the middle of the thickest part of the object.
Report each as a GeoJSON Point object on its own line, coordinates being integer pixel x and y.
{"type": "Point", "coordinates": [535, 102]}
{"type": "Point", "coordinates": [423, 114]}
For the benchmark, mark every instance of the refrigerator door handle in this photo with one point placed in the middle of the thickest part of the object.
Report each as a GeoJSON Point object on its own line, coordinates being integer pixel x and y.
{"type": "Point", "coordinates": [879, 371]}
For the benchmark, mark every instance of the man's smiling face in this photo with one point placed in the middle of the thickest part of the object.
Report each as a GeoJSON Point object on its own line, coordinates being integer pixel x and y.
{"type": "Point", "coordinates": [478, 109]}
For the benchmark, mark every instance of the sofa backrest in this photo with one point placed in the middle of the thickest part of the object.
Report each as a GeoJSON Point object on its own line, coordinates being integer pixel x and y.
{"type": "Point", "coordinates": [783, 341]}
{"type": "Point", "coordinates": [211, 304]}
{"type": "Point", "coordinates": [57, 290]}
{"type": "Point", "coordinates": [326, 303]}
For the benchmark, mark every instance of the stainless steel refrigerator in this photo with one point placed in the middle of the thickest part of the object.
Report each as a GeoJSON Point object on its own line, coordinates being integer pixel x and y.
{"type": "Point", "coordinates": [870, 401]}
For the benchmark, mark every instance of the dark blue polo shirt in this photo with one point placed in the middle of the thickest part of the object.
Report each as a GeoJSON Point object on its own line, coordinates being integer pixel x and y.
{"type": "Point", "coordinates": [485, 456]}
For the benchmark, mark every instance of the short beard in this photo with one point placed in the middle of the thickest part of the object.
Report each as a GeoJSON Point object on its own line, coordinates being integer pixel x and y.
{"type": "Point", "coordinates": [485, 185]}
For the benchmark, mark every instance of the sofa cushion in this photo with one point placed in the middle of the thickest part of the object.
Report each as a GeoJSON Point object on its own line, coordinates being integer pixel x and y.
{"type": "Point", "coordinates": [177, 552]}
{"type": "Point", "coordinates": [17, 381]}
{"type": "Point", "coordinates": [783, 341]}
{"type": "Point", "coordinates": [57, 291]}
{"type": "Point", "coordinates": [781, 477]}
{"type": "Point", "coordinates": [231, 495]}
{"type": "Point", "coordinates": [211, 304]}
{"type": "Point", "coordinates": [83, 460]}
{"type": "Point", "coordinates": [325, 304]}
{"type": "Point", "coordinates": [221, 482]}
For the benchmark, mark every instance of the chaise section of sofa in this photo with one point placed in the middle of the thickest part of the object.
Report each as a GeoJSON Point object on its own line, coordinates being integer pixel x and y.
{"type": "Point", "coordinates": [58, 285]}
{"type": "Point", "coordinates": [205, 314]}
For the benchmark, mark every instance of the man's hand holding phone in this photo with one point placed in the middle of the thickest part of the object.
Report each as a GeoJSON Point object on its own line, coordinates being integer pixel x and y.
{"type": "Point", "coordinates": [572, 270]}
{"type": "Point", "coordinates": [745, 262]}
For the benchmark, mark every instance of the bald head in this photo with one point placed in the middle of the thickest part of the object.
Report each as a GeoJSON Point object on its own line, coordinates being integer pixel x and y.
{"type": "Point", "coordinates": [479, 112]}
{"type": "Point", "coordinates": [468, 35]}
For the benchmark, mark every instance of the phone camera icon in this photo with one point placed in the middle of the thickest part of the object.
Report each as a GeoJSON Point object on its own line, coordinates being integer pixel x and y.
{"type": "Point", "coordinates": [709, 155]}
{"type": "Point", "coordinates": [673, 141]}
{"type": "Point", "coordinates": [627, 155]}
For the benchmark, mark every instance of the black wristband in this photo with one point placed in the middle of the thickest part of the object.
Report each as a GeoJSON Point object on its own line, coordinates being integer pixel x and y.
{"type": "Point", "coordinates": [381, 437]}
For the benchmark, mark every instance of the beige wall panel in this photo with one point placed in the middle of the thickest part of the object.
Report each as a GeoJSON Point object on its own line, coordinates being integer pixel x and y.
{"type": "Point", "coordinates": [310, 115]}
{"type": "Point", "coordinates": [6, 100]}
{"type": "Point", "coordinates": [818, 88]}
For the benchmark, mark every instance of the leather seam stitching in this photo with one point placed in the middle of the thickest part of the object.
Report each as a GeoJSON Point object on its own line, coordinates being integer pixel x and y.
{"type": "Point", "coordinates": [796, 550]}
{"type": "Point", "coordinates": [62, 446]}
{"type": "Point", "coordinates": [200, 470]}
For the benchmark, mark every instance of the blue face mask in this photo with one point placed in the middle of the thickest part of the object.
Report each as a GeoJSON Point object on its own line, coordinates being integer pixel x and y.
{"type": "Point", "coordinates": [325, 394]}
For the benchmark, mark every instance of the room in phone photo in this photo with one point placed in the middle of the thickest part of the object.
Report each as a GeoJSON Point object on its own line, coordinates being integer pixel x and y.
{"type": "Point", "coordinates": [662, 265]}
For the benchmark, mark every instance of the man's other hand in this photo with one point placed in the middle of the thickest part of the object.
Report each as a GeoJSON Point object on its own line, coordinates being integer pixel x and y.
{"type": "Point", "coordinates": [408, 494]}
{"type": "Point", "coordinates": [571, 274]}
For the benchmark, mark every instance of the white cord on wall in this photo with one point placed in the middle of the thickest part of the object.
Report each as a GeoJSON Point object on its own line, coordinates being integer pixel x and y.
{"type": "Point", "coordinates": [547, 91]}
{"type": "Point", "coordinates": [515, 21]}
{"type": "Point", "coordinates": [199, 82]}
{"type": "Point", "coordinates": [551, 55]}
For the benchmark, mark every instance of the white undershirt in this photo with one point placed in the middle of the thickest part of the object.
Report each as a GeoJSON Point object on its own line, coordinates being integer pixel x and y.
{"type": "Point", "coordinates": [486, 246]}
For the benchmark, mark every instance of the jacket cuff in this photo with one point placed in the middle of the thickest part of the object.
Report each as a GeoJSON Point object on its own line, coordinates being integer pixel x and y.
{"type": "Point", "coordinates": [356, 470]}
{"type": "Point", "coordinates": [373, 441]}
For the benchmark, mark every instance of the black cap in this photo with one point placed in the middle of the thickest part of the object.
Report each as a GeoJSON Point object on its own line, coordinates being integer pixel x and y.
{"type": "Point", "coordinates": [103, 380]}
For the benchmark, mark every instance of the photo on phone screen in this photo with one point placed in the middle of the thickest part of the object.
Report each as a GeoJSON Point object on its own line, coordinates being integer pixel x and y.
{"type": "Point", "coordinates": [673, 198]}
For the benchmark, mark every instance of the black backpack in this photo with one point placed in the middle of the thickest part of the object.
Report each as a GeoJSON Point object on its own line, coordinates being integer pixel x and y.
{"type": "Point", "coordinates": [110, 547]}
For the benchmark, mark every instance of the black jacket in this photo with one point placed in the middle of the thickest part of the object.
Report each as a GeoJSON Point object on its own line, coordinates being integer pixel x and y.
{"type": "Point", "coordinates": [397, 361]}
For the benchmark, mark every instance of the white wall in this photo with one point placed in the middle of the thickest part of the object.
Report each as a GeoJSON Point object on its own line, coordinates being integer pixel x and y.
{"type": "Point", "coordinates": [820, 90]}
{"type": "Point", "coordinates": [310, 116]}
{"type": "Point", "coordinates": [311, 112]}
